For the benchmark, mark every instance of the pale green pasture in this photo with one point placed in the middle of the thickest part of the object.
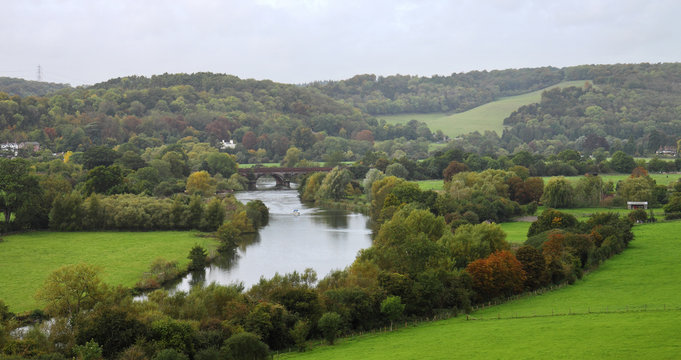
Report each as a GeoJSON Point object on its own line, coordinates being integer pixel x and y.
{"type": "Point", "coordinates": [487, 117]}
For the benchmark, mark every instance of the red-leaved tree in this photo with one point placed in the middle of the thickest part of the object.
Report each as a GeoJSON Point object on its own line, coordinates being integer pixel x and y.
{"type": "Point", "coordinates": [498, 275]}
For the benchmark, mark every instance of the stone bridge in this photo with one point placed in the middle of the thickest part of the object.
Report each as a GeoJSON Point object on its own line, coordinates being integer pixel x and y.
{"type": "Point", "coordinates": [281, 175]}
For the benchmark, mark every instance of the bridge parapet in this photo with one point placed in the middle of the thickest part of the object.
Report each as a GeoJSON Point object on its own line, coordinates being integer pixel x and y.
{"type": "Point", "coordinates": [282, 175]}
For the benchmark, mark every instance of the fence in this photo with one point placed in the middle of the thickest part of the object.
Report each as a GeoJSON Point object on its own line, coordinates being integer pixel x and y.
{"type": "Point", "coordinates": [579, 311]}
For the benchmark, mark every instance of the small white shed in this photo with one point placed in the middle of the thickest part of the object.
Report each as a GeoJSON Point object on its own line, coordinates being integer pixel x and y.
{"type": "Point", "coordinates": [633, 205]}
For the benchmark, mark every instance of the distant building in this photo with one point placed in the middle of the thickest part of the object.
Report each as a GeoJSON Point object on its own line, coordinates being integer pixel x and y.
{"type": "Point", "coordinates": [10, 147]}
{"type": "Point", "coordinates": [633, 205]}
{"type": "Point", "coordinates": [666, 151]}
{"type": "Point", "coordinates": [13, 148]}
{"type": "Point", "coordinates": [31, 145]}
{"type": "Point", "coordinates": [227, 145]}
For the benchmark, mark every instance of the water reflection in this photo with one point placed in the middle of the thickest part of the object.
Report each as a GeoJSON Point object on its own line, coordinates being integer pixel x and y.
{"type": "Point", "coordinates": [336, 219]}
{"type": "Point", "coordinates": [324, 240]}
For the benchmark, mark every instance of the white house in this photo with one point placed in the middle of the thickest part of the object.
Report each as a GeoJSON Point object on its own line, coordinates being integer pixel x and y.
{"type": "Point", "coordinates": [227, 145]}
{"type": "Point", "coordinates": [10, 148]}
{"type": "Point", "coordinates": [13, 147]}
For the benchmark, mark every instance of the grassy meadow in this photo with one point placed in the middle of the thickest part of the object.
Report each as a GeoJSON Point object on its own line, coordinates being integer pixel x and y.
{"type": "Point", "coordinates": [628, 308]}
{"type": "Point", "coordinates": [516, 232]}
{"type": "Point", "coordinates": [489, 116]}
{"type": "Point", "coordinates": [27, 259]}
{"type": "Point", "coordinates": [660, 179]}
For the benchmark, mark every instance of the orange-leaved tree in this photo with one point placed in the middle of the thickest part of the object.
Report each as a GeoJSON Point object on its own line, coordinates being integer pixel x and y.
{"type": "Point", "coordinates": [498, 275]}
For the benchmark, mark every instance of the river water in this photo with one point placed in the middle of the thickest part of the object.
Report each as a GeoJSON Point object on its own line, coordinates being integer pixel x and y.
{"type": "Point", "coordinates": [323, 240]}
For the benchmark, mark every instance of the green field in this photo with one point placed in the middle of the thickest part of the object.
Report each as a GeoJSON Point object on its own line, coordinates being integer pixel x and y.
{"type": "Point", "coordinates": [489, 116]}
{"type": "Point", "coordinates": [248, 166]}
{"type": "Point", "coordinates": [430, 184]}
{"type": "Point", "coordinates": [584, 213]}
{"type": "Point", "coordinates": [516, 232]}
{"type": "Point", "coordinates": [27, 259]}
{"type": "Point", "coordinates": [629, 308]}
{"type": "Point", "coordinates": [660, 179]}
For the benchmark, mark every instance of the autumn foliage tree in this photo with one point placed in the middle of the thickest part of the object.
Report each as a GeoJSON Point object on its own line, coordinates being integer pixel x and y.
{"type": "Point", "coordinates": [552, 219]}
{"type": "Point", "coordinates": [454, 167]}
{"type": "Point", "coordinates": [499, 275]}
{"type": "Point", "coordinates": [200, 182]}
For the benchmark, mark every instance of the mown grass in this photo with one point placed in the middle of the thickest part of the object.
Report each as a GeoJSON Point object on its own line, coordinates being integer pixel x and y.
{"type": "Point", "coordinates": [583, 214]}
{"type": "Point", "coordinates": [660, 179]}
{"type": "Point", "coordinates": [516, 232]}
{"type": "Point", "coordinates": [626, 309]}
{"type": "Point", "coordinates": [27, 259]}
{"type": "Point", "coordinates": [489, 116]}
{"type": "Point", "coordinates": [431, 184]}
{"type": "Point", "coordinates": [248, 166]}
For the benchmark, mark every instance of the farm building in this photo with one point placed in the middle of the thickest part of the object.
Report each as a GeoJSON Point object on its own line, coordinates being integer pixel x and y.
{"type": "Point", "coordinates": [632, 205]}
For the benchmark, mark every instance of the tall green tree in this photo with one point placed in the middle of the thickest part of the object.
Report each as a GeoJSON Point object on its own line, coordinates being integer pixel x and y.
{"type": "Point", "coordinates": [622, 162]}
{"type": "Point", "coordinates": [330, 324]}
{"type": "Point", "coordinates": [333, 185]}
{"type": "Point", "coordinates": [104, 180]}
{"type": "Point", "coordinates": [558, 193]}
{"type": "Point", "coordinates": [393, 308]}
{"type": "Point", "coordinates": [18, 187]}
{"type": "Point", "coordinates": [99, 156]}
{"type": "Point", "coordinates": [72, 289]}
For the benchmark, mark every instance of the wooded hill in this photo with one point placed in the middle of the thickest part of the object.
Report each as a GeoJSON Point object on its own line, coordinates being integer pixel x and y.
{"type": "Point", "coordinates": [634, 108]}
{"type": "Point", "coordinates": [628, 107]}
{"type": "Point", "coordinates": [258, 115]}
{"type": "Point", "coordinates": [23, 87]}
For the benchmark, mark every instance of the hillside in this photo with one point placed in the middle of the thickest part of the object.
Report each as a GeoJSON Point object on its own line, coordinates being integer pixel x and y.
{"type": "Point", "coordinates": [627, 309]}
{"type": "Point", "coordinates": [487, 117]}
{"type": "Point", "coordinates": [21, 87]}
{"type": "Point", "coordinates": [258, 115]}
{"type": "Point", "coordinates": [399, 94]}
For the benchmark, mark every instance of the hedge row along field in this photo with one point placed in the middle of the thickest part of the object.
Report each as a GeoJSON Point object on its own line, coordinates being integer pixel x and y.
{"type": "Point", "coordinates": [633, 299]}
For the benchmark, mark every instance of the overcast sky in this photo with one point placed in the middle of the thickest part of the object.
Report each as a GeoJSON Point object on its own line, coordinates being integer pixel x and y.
{"type": "Point", "coordinates": [297, 41]}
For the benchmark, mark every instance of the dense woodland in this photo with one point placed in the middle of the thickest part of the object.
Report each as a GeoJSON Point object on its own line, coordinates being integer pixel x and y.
{"type": "Point", "coordinates": [22, 87]}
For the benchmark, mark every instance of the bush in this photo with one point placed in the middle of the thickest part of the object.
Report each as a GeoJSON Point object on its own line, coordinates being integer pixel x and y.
{"type": "Point", "coordinates": [246, 346]}
{"type": "Point", "coordinates": [160, 272]}
{"type": "Point", "coordinates": [672, 216]}
{"type": "Point", "coordinates": [198, 257]}
{"type": "Point", "coordinates": [638, 215]}
{"type": "Point", "coordinates": [552, 219]}
{"type": "Point", "coordinates": [170, 354]}
{"type": "Point", "coordinates": [329, 324]}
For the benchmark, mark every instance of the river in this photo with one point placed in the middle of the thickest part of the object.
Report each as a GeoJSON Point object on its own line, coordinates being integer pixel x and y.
{"type": "Point", "coordinates": [321, 239]}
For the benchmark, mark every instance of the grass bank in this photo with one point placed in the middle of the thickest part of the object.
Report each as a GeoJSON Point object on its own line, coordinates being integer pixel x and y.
{"type": "Point", "coordinates": [27, 259]}
{"type": "Point", "coordinates": [486, 117]}
{"type": "Point", "coordinates": [629, 308]}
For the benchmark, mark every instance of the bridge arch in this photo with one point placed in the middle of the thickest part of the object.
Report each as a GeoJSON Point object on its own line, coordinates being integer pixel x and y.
{"type": "Point", "coordinates": [281, 175]}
